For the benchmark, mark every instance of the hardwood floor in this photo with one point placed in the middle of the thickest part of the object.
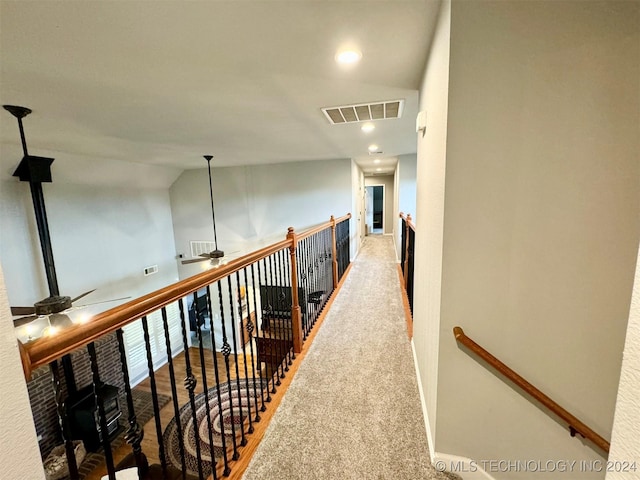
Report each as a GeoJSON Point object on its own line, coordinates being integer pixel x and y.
{"type": "Point", "coordinates": [163, 386]}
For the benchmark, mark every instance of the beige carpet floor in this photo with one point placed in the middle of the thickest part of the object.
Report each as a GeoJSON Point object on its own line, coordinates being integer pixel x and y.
{"type": "Point", "coordinates": [353, 410]}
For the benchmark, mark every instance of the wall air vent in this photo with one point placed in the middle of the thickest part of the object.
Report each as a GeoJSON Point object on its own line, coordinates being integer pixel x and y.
{"type": "Point", "coordinates": [198, 247]}
{"type": "Point", "coordinates": [364, 112]}
{"type": "Point", "coordinates": [151, 270]}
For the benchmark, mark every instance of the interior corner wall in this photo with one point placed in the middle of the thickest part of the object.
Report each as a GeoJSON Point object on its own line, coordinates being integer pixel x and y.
{"type": "Point", "coordinates": [407, 184]}
{"type": "Point", "coordinates": [19, 452]}
{"type": "Point", "coordinates": [430, 181]}
{"type": "Point", "coordinates": [389, 195]}
{"type": "Point", "coordinates": [357, 208]}
{"type": "Point", "coordinates": [541, 222]}
{"type": "Point", "coordinates": [406, 174]}
{"type": "Point", "coordinates": [626, 424]}
{"type": "Point", "coordinates": [255, 205]}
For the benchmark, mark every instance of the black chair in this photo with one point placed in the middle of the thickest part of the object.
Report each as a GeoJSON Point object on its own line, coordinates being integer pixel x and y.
{"type": "Point", "coordinates": [198, 312]}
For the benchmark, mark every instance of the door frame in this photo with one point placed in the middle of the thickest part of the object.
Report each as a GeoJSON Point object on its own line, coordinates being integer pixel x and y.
{"type": "Point", "coordinates": [384, 200]}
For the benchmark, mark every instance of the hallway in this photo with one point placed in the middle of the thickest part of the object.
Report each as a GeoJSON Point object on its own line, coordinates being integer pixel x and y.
{"type": "Point", "coordinates": [353, 408]}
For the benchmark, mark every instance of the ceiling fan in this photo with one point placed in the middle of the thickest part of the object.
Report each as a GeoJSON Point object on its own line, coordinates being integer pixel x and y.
{"type": "Point", "coordinates": [216, 255]}
{"type": "Point", "coordinates": [36, 170]}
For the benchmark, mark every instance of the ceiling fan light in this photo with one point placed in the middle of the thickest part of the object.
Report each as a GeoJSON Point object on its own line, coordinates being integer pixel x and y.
{"type": "Point", "coordinates": [348, 57]}
{"type": "Point", "coordinates": [368, 127]}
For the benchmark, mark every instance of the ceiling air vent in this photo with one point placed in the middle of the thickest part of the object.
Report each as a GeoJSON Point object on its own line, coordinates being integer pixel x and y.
{"type": "Point", "coordinates": [364, 112]}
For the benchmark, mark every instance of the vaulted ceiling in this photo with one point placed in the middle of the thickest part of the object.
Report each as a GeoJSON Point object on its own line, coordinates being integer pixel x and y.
{"type": "Point", "coordinates": [165, 82]}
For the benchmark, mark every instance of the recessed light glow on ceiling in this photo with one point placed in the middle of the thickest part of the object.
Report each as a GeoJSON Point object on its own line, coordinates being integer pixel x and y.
{"type": "Point", "coordinates": [378, 169]}
{"type": "Point", "coordinates": [348, 56]}
{"type": "Point", "coordinates": [377, 160]}
{"type": "Point", "coordinates": [373, 148]}
{"type": "Point", "coordinates": [368, 127]}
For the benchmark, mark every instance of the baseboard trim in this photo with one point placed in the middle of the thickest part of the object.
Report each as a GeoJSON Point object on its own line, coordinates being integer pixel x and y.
{"type": "Point", "coordinates": [462, 466]}
{"type": "Point", "coordinates": [423, 402]}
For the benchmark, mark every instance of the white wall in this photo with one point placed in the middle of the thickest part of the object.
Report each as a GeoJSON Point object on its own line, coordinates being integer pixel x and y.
{"type": "Point", "coordinates": [254, 207]}
{"type": "Point", "coordinates": [389, 195]}
{"type": "Point", "coordinates": [19, 453]}
{"type": "Point", "coordinates": [102, 238]}
{"type": "Point", "coordinates": [407, 168]}
{"type": "Point", "coordinates": [432, 149]}
{"type": "Point", "coordinates": [625, 447]}
{"type": "Point", "coordinates": [540, 223]}
{"type": "Point", "coordinates": [406, 173]}
{"type": "Point", "coordinates": [626, 426]}
{"type": "Point", "coordinates": [357, 208]}
{"type": "Point", "coordinates": [256, 204]}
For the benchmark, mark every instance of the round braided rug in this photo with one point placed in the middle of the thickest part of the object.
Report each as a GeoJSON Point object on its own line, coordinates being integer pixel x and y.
{"type": "Point", "coordinates": [237, 401]}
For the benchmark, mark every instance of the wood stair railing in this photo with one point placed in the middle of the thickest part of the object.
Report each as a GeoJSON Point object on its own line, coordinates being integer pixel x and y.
{"type": "Point", "coordinates": [574, 424]}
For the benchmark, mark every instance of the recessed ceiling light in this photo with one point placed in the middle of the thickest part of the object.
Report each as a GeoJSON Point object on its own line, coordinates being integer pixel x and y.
{"type": "Point", "coordinates": [373, 148]}
{"type": "Point", "coordinates": [377, 160]}
{"type": "Point", "coordinates": [378, 169]}
{"type": "Point", "coordinates": [348, 57]}
{"type": "Point", "coordinates": [368, 127]}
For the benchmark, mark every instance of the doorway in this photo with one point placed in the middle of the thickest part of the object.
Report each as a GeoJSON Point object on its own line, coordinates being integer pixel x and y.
{"type": "Point", "coordinates": [374, 208]}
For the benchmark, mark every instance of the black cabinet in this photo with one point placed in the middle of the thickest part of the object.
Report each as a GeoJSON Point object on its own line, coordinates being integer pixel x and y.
{"type": "Point", "coordinates": [84, 422]}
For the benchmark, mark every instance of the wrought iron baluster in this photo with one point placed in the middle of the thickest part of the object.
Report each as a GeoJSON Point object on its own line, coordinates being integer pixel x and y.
{"type": "Point", "coordinates": [226, 351]}
{"type": "Point", "coordinates": [245, 334]}
{"type": "Point", "coordinates": [232, 304]}
{"type": "Point", "coordinates": [314, 271]}
{"type": "Point", "coordinates": [403, 242]}
{"type": "Point", "coordinates": [259, 320]}
{"type": "Point", "coordinates": [329, 263]}
{"type": "Point", "coordinates": [154, 396]}
{"type": "Point", "coordinates": [63, 421]}
{"type": "Point", "coordinates": [174, 391]}
{"type": "Point", "coordinates": [269, 313]}
{"type": "Point", "coordinates": [205, 386]}
{"type": "Point", "coordinates": [190, 383]}
{"type": "Point", "coordinates": [287, 332]}
{"type": "Point", "coordinates": [134, 433]}
{"type": "Point", "coordinates": [321, 262]}
{"type": "Point", "coordinates": [278, 321]}
{"type": "Point", "coordinates": [303, 273]}
{"type": "Point", "coordinates": [346, 239]}
{"type": "Point", "coordinates": [250, 329]}
{"type": "Point", "coordinates": [102, 416]}
{"type": "Point", "coordinates": [410, 270]}
{"type": "Point", "coordinates": [287, 276]}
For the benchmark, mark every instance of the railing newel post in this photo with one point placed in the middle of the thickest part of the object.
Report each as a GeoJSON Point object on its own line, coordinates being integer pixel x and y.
{"type": "Point", "coordinates": [296, 314]}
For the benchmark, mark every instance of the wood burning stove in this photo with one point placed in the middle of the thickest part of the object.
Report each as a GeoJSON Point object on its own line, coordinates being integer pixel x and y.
{"type": "Point", "coordinates": [84, 420]}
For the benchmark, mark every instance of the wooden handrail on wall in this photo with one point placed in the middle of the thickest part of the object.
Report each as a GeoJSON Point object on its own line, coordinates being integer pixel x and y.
{"type": "Point", "coordinates": [575, 425]}
{"type": "Point", "coordinates": [43, 351]}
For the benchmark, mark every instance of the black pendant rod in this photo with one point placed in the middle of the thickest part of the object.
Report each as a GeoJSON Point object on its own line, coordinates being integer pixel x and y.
{"type": "Point", "coordinates": [24, 141]}
{"type": "Point", "coordinates": [38, 206]}
{"type": "Point", "coordinates": [19, 113]}
{"type": "Point", "coordinates": [213, 213]}
{"type": "Point", "coordinates": [45, 238]}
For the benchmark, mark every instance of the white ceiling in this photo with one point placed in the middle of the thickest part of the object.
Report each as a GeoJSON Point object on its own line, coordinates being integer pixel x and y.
{"type": "Point", "coordinates": [164, 82]}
